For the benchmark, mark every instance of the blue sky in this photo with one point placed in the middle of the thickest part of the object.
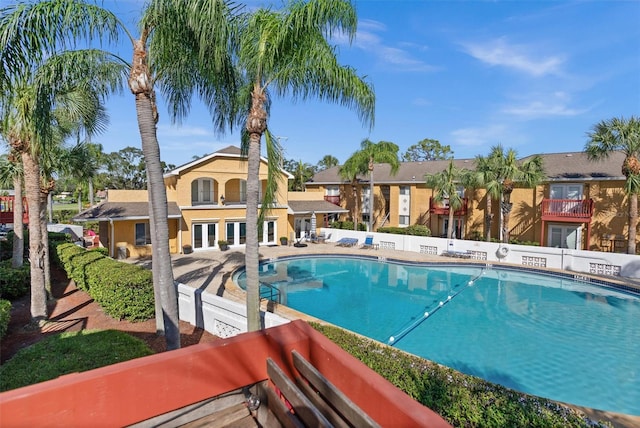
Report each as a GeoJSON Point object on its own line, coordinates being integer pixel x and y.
{"type": "Point", "coordinates": [530, 75]}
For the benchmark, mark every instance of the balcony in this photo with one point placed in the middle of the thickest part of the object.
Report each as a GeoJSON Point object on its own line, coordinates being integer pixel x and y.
{"type": "Point", "coordinates": [333, 199]}
{"type": "Point", "coordinates": [442, 208]}
{"type": "Point", "coordinates": [572, 210]}
{"type": "Point", "coordinates": [6, 210]}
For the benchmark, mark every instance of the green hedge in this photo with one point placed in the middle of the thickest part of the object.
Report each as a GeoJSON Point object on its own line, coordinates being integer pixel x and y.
{"type": "Point", "coordinates": [14, 283]}
{"type": "Point", "coordinates": [5, 316]}
{"type": "Point", "coordinates": [124, 291]}
{"type": "Point", "coordinates": [347, 225]}
{"type": "Point", "coordinates": [464, 401]}
{"type": "Point", "coordinates": [414, 229]}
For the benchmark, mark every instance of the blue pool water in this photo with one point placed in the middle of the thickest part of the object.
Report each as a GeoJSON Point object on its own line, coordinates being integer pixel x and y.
{"type": "Point", "coordinates": [545, 335]}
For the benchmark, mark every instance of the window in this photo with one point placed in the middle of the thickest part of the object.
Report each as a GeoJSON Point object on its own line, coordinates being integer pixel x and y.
{"type": "Point", "coordinates": [332, 191]}
{"type": "Point", "coordinates": [405, 190]}
{"type": "Point", "coordinates": [204, 235]}
{"type": "Point", "coordinates": [202, 191]}
{"type": "Point", "coordinates": [236, 232]}
{"type": "Point", "coordinates": [143, 235]}
{"type": "Point", "coordinates": [404, 220]}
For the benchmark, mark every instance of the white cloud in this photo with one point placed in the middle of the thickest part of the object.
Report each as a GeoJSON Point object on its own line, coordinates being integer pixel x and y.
{"type": "Point", "coordinates": [555, 104]}
{"type": "Point", "coordinates": [480, 136]}
{"type": "Point", "coordinates": [400, 56]}
{"type": "Point", "coordinates": [500, 52]}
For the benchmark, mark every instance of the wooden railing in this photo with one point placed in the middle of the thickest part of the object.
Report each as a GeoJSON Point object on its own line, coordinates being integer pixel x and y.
{"type": "Point", "coordinates": [567, 209]}
{"type": "Point", "coordinates": [442, 208]}
{"type": "Point", "coordinates": [6, 210]}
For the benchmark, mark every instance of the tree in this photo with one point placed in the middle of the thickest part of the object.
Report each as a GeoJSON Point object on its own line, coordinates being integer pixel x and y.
{"type": "Point", "coordinates": [485, 176]}
{"type": "Point", "coordinates": [509, 173]}
{"type": "Point", "coordinates": [287, 52]}
{"type": "Point", "coordinates": [11, 174]}
{"type": "Point", "coordinates": [301, 174]}
{"type": "Point", "coordinates": [126, 169]}
{"type": "Point", "coordinates": [327, 162]}
{"type": "Point", "coordinates": [362, 162]}
{"type": "Point", "coordinates": [169, 27]}
{"type": "Point", "coordinates": [427, 150]}
{"type": "Point", "coordinates": [620, 134]}
{"type": "Point", "coordinates": [445, 184]}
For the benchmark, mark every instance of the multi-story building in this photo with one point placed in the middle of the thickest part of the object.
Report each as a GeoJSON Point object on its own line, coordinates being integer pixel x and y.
{"type": "Point", "coordinates": [580, 204]}
{"type": "Point", "coordinates": [206, 204]}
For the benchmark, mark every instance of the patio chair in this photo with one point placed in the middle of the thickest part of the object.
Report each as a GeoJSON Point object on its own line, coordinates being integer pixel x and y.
{"type": "Point", "coordinates": [368, 243]}
{"type": "Point", "coordinates": [347, 242]}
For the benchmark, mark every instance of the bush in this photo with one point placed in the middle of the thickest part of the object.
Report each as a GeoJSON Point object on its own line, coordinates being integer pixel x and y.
{"type": "Point", "coordinates": [464, 401]}
{"type": "Point", "coordinates": [418, 230]}
{"type": "Point", "coordinates": [393, 229]}
{"type": "Point", "coordinates": [14, 283]}
{"type": "Point", "coordinates": [69, 352]}
{"type": "Point", "coordinates": [124, 291]}
{"type": "Point", "coordinates": [5, 316]}
{"type": "Point", "coordinates": [348, 225]}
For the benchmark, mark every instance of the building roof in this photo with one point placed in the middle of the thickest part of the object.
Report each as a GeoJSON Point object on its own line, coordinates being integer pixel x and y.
{"type": "Point", "coordinates": [319, 207]}
{"type": "Point", "coordinates": [558, 167]}
{"type": "Point", "coordinates": [228, 152]}
{"type": "Point", "coordinates": [117, 211]}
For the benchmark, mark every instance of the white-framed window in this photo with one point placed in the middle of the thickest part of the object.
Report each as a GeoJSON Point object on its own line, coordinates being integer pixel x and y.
{"type": "Point", "coordinates": [561, 236]}
{"type": "Point", "coordinates": [243, 191]}
{"type": "Point", "coordinates": [236, 232]}
{"type": "Point", "coordinates": [205, 235]}
{"type": "Point", "coordinates": [332, 191]}
{"type": "Point", "coordinates": [366, 193]}
{"type": "Point", "coordinates": [143, 234]}
{"type": "Point", "coordinates": [458, 225]}
{"type": "Point", "coordinates": [404, 220]}
{"type": "Point", "coordinates": [268, 232]}
{"type": "Point", "coordinates": [459, 192]}
{"type": "Point", "coordinates": [405, 190]}
{"type": "Point", "coordinates": [202, 191]}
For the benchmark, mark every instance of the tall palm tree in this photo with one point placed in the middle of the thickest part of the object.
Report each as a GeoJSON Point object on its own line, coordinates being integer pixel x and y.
{"type": "Point", "coordinates": [445, 184]}
{"type": "Point", "coordinates": [11, 174]}
{"type": "Point", "coordinates": [485, 176]}
{"type": "Point", "coordinates": [620, 134]}
{"type": "Point", "coordinates": [363, 161]}
{"type": "Point", "coordinates": [286, 53]}
{"type": "Point", "coordinates": [510, 173]}
{"type": "Point", "coordinates": [169, 26]}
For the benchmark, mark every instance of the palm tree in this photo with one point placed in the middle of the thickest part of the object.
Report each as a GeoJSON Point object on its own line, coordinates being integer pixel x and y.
{"type": "Point", "coordinates": [485, 176]}
{"type": "Point", "coordinates": [11, 174]}
{"type": "Point", "coordinates": [286, 52]}
{"type": "Point", "coordinates": [508, 173]}
{"type": "Point", "coordinates": [327, 162]}
{"type": "Point", "coordinates": [362, 162]}
{"type": "Point", "coordinates": [620, 134]}
{"type": "Point", "coordinates": [445, 184]}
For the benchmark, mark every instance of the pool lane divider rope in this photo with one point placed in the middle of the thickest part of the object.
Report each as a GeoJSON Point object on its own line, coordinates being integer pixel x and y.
{"type": "Point", "coordinates": [393, 340]}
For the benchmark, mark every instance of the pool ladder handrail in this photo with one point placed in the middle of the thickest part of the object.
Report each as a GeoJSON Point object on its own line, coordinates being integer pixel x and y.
{"type": "Point", "coordinates": [270, 293]}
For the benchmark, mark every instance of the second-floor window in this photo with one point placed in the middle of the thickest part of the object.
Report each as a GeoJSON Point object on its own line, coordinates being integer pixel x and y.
{"type": "Point", "coordinates": [332, 191]}
{"type": "Point", "coordinates": [202, 191]}
{"type": "Point", "coordinates": [405, 190]}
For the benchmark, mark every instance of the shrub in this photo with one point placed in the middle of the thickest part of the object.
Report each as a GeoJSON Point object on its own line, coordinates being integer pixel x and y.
{"type": "Point", "coordinates": [462, 400]}
{"type": "Point", "coordinates": [14, 283]}
{"type": "Point", "coordinates": [348, 225]}
{"type": "Point", "coordinates": [393, 229]}
{"type": "Point", "coordinates": [418, 230]}
{"type": "Point", "coordinates": [5, 316]}
{"type": "Point", "coordinates": [124, 291]}
{"type": "Point", "coordinates": [69, 352]}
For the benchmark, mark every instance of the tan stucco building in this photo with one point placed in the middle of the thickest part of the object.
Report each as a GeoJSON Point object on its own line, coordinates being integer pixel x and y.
{"type": "Point", "coordinates": [580, 204]}
{"type": "Point", "coordinates": [206, 204]}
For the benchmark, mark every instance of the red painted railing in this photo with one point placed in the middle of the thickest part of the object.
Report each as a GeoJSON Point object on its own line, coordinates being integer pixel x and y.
{"type": "Point", "coordinates": [442, 208]}
{"type": "Point", "coordinates": [567, 209]}
{"type": "Point", "coordinates": [333, 199]}
{"type": "Point", "coordinates": [6, 210]}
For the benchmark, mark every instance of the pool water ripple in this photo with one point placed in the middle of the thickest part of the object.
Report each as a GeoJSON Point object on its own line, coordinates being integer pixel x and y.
{"type": "Point", "coordinates": [545, 335]}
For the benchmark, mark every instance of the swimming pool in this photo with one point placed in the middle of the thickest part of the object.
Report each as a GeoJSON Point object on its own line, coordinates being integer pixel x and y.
{"type": "Point", "coordinates": [546, 335]}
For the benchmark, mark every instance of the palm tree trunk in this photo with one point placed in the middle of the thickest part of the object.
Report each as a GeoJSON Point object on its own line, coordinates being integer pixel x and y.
{"type": "Point", "coordinates": [506, 216]}
{"type": "Point", "coordinates": [17, 259]}
{"type": "Point", "coordinates": [155, 271]}
{"type": "Point", "coordinates": [251, 251]}
{"type": "Point", "coordinates": [141, 86]}
{"type": "Point", "coordinates": [49, 203]}
{"type": "Point", "coordinates": [488, 218]}
{"type": "Point", "coordinates": [450, 229]}
{"type": "Point", "coordinates": [36, 254]}
{"type": "Point", "coordinates": [633, 223]}
{"type": "Point", "coordinates": [90, 191]}
{"type": "Point", "coordinates": [45, 244]}
{"type": "Point", "coordinates": [256, 125]}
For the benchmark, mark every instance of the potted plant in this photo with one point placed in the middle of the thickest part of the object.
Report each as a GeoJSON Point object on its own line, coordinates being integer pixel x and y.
{"type": "Point", "coordinates": [284, 240]}
{"type": "Point", "coordinates": [224, 245]}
